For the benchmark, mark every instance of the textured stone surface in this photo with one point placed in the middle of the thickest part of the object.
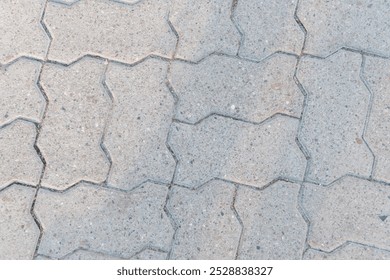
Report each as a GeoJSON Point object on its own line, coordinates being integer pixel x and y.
{"type": "Point", "coordinates": [268, 27]}
{"type": "Point", "coordinates": [20, 96]}
{"type": "Point", "coordinates": [103, 220]}
{"type": "Point", "coordinates": [249, 154]}
{"type": "Point", "coordinates": [351, 251]}
{"type": "Point", "coordinates": [18, 231]}
{"type": "Point", "coordinates": [208, 227]}
{"type": "Point", "coordinates": [333, 121]}
{"type": "Point", "coordinates": [273, 226]}
{"type": "Point", "coordinates": [149, 254]}
{"type": "Point", "coordinates": [21, 31]}
{"type": "Point", "coordinates": [83, 254]}
{"type": "Point", "coordinates": [74, 123]}
{"type": "Point", "coordinates": [237, 88]}
{"type": "Point", "coordinates": [19, 160]}
{"type": "Point", "coordinates": [139, 125]}
{"type": "Point", "coordinates": [350, 209]}
{"type": "Point", "coordinates": [377, 72]}
{"type": "Point", "coordinates": [204, 27]}
{"type": "Point", "coordinates": [106, 28]}
{"type": "Point", "coordinates": [330, 25]}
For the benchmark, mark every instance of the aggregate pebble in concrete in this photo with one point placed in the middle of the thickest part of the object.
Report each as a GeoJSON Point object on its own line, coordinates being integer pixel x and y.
{"type": "Point", "coordinates": [350, 209]}
{"type": "Point", "coordinates": [18, 231]}
{"type": "Point", "coordinates": [273, 226]}
{"type": "Point", "coordinates": [113, 30]}
{"type": "Point", "coordinates": [21, 31]}
{"type": "Point", "coordinates": [139, 125]}
{"type": "Point", "coordinates": [20, 96]}
{"type": "Point", "coordinates": [237, 88]}
{"type": "Point", "coordinates": [204, 27]}
{"type": "Point", "coordinates": [268, 27]}
{"type": "Point", "coordinates": [334, 117]}
{"type": "Point", "coordinates": [220, 147]}
{"type": "Point", "coordinates": [377, 72]}
{"type": "Point", "coordinates": [72, 130]}
{"type": "Point", "coordinates": [351, 251]}
{"type": "Point", "coordinates": [208, 227]}
{"type": "Point", "coordinates": [103, 220]}
{"type": "Point", "coordinates": [330, 25]}
{"type": "Point", "coordinates": [19, 160]}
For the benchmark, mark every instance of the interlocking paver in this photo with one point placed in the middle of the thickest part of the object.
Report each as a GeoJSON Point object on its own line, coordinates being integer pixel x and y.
{"type": "Point", "coordinates": [273, 226]}
{"type": "Point", "coordinates": [102, 219]}
{"type": "Point", "coordinates": [333, 121]}
{"type": "Point", "coordinates": [113, 30]}
{"type": "Point", "coordinates": [268, 27]}
{"type": "Point", "coordinates": [377, 72]}
{"type": "Point", "coordinates": [330, 25]}
{"type": "Point", "coordinates": [72, 130]}
{"type": "Point", "coordinates": [20, 96]}
{"type": "Point", "coordinates": [204, 27]}
{"type": "Point", "coordinates": [208, 227]}
{"type": "Point", "coordinates": [149, 254]}
{"type": "Point", "coordinates": [83, 254]}
{"type": "Point", "coordinates": [19, 160]}
{"type": "Point", "coordinates": [351, 251]}
{"type": "Point", "coordinates": [21, 31]}
{"type": "Point", "coordinates": [350, 209]}
{"type": "Point", "coordinates": [18, 231]}
{"type": "Point", "coordinates": [237, 88]}
{"type": "Point", "coordinates": [138, 129]}
{"type": "Point", "coordinates": [245, 153]}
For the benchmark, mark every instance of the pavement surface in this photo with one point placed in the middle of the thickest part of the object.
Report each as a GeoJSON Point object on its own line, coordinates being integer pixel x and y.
{"type": "Point", "coordinates": [194, 129]}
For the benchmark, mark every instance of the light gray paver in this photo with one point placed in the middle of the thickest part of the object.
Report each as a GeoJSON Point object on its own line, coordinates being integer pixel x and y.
{"type": "Point", "coordinates": [351, 251]}
{"type": "Point", "coordinates": [330, 25]}
{"type": "Point", "coordinates": [113, 30]}
{"type": "Point", "coordinates": [204, 27]}
{"type": "Point", "coordinates": [208, 227]}
{"type": "Point", "coordinates": [103, 220]}
{"type": "Point", "coordinates": [72, 130]}
{"type": "Point", "coordinates": [149, 254]}
{"type": "Point", "coordinates": [268, 26]}
{"type": "Point", "coordinates": [237, 88]}
{"type": "Point", "coordinates": [139, 126]}
{"type": "Point", "coordinates": [273, 226]}
{"type": "Point", "coordinates": [350, 209]}
{"type": "Point", "coordinates": [248, 154]}
{"type": "Point", "coordinates": [19, 160]}
{"type": "Point", "coordinates": [334, 117]}
{"type": "Point", "coordinates": [21, 31]}
{"type": "Point", "coordinates": [377, 72]}
{"type": "Point", "coordinates": [20, 96]}
{"type": "Point", "coordinates": [83, 254]}
{"type": "Point", "coordinates": [18, 231]}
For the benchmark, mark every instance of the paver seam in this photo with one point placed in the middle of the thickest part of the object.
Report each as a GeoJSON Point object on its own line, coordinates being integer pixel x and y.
{"type": "Point", "coordinates": [237, 26]}
{"type": "Point", "coordinates": [233, 207]}
{"type": "Point", "coordinates": [345, 244]}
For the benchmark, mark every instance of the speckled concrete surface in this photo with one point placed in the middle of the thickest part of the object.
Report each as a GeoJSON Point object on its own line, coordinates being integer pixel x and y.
{"type": "Point", "coordinates": [169, 129]}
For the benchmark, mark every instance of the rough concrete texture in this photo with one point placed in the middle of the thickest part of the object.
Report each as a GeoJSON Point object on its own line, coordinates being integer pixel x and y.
{"type": "Point", "coordinates": [194, 129]}
{"type": "Point", "coordinates": [241, 89]}
{"type": "Point", "coordinates": [208, 226]}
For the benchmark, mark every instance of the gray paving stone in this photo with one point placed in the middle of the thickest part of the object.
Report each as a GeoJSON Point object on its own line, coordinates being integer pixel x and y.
{"type": "Point", "coordinates": [330, 25]}
{"type": "Point", "coordinates": [377, 72]}
{"type": "Point", "coordinates": [149, 254]}
{"type": "Point", "coordinates": [204, 27]}
{"type": "Point", "coordinates": [350, 209]}
{"type": "Point", "coordinates": [21, 31]}
{"type": "Point", "coordinates": [248, 154]}
{"type": "Point", "coordinates": [20, 96]}
{"type": "Point", "coordinates": [18, 232]}
{"type": "Point", "coordinates": [237, 88]}
{"type": "Point", "coordinates": [82, 254]}
{"type": "Point", "coordinates": [103, 220]}
{"type": "Point", "coordinates": [268, 27]}
{"type": "Point", "coordinates": [351, 251]}
{"type": "Point", "coordinates": [113, 30]}
{"type": "Point", "coordinates": [139, 125]}
{"type": "Point", "coordinates": [208, 227]}
{"type": "Point", "coordinates": [19, 160]}
{"type": "Point", "coordinates": [273, 226]}
{"type": "Point", "coordinates": [334, 117]}
{"type": "Point", "coordinates": [72, 130]}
